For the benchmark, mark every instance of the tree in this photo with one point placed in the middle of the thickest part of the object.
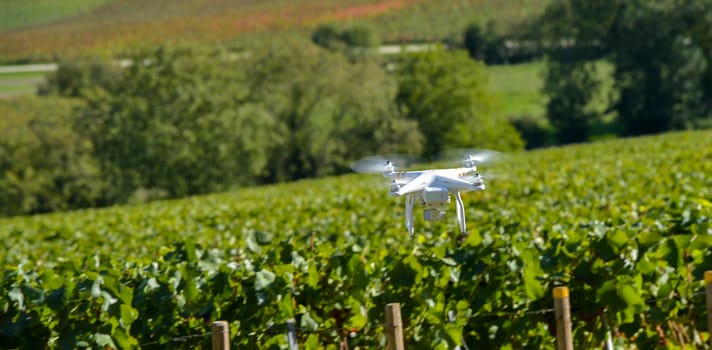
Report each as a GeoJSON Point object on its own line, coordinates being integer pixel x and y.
{"type": "Point", "coordinates": [571, 87]}
{"type": "Point", "coordinates": [175, 124]}
{"type": "Point", "coordinates": [46, 166]}
{"type": "Point", "coordinates": [354, 36]}
{"type": "Point", "coordinates": [327, 36]}
{"type": "Point", "coordinates": [359, 35]}
{"type": "Point", "coordinates": [330, 110]}
{"type": "Point", "coordinates": [73, 78]}
{"type": "Point", "coordinates": [485, 44]}
{"type": "Point", "coordinates": [445, 92]}
{"type": "Point", "coordinates": [661, 51]}
{"type": "Point", "coordinates": [573, 32]}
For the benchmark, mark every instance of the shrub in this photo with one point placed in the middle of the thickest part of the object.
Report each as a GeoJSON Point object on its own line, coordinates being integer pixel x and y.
{"type": "Point", "coordinates": [46, 166]}
{"type": "Point", "coordinates": [445, 93]}
{"type": "Point", "coordinates": [533, 131]}
{"type": "Point", "coordinates": [355, 36]}
{"type": "Point", "coordinates": [73, 78]}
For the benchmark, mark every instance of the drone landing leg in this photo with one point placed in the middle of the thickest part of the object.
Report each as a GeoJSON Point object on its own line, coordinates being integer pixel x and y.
{"type": "Point", "coordinates": [409, 204]}
{"type": "Point", "coordinates": [460, 213]}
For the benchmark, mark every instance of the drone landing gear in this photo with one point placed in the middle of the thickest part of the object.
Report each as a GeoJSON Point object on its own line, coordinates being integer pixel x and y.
{"type": "Point", "coordinates": [409, 204]}
{"type": "Point", "coordinates": [433, 214]}
{"type": "Point", "coordinates": [460, 213]}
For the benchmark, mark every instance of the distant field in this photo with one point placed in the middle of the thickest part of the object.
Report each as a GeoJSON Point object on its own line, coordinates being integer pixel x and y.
{"type": "Point", "coordinates": [23, 13]}
{"type": "Point", "coordinates": [121, 26]}
{"type": "Point", "coordinates": [517, 88]}
{"type": "Point", "coordinates": [435, 20]}
{"type": "Point", "coordinates": [13, 84]}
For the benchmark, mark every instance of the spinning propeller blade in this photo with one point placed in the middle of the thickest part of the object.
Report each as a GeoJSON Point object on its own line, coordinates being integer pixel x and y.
{"type": "Point", "coordinates": [477, 156]}
{"type": "Point", "coordinates": [484, 177]}
{"type": "Point", "coordinates": [380, 163]}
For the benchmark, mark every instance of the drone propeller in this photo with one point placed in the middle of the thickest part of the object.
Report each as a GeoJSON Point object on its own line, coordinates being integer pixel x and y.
{"type": "Point", "coordinates": [470, 155]}
{"type": "Point", "coordinates": [382, 163]}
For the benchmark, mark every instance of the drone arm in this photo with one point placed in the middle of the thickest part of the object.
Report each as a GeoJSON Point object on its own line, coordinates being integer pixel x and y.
{"type": "Point", "coordinates": [460, 212]}
{"type": "Point", "coordinates": [409, 204]}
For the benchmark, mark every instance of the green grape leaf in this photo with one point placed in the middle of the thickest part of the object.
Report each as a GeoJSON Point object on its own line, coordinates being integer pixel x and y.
{"type": "Point", "coordinates": [104, 340]}
{"type": "Point", "coordinates": [263, 279]}
{"type": "Point", "coordinates": [532, 287]}
{"type": "Point", "coordinates": [617, 239]}
{"type": "Point", "coordinates": [308, 323]}
{"type": "Point", "coordinates": [128, 315]}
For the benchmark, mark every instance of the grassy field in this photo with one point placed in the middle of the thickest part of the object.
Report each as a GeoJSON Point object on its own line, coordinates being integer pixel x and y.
{"type": "Point", "coordinates": [117, 27]}
{"type": "Point", "coordinates": [625, 224]}
{"type": "Point", "coordinates": [517, 89]}
{"type": "Point", "coordinates": [14, 84]}
{"type": "Point", "coordinates": [431, 20]}
{"type": "Point", "coordinates": [19, 13]}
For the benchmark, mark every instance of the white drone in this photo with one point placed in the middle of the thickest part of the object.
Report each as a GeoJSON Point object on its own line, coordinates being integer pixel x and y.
{"type": "Point", "coordinates": [430, 188]}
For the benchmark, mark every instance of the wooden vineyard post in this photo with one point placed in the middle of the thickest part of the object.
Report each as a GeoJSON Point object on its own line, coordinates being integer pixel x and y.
{"type": "Point", "coordinates": [562, 310]}
{"type": "Point", "coordinates": [292, 334]}
{"type": "Point", "coordinates": [394, 327]}
{"type": "Point", "coordinates": [708, 299]}
{"type": "Point", "coordinates": [221, 335]}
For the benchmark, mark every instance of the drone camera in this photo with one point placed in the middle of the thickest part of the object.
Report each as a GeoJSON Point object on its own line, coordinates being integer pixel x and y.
{"type": "Point", "coordinates": [433, 215]}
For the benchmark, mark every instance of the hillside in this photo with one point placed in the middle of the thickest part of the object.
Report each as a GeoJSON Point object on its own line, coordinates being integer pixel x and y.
{"type": "Point", "coordinates": [624, 223]}
{"type": "Point", "coordinates": [39, 32]}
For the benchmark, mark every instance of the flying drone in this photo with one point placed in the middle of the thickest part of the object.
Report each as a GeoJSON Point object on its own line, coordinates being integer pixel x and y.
{"type": "Point", "coordinates": [429, 188]}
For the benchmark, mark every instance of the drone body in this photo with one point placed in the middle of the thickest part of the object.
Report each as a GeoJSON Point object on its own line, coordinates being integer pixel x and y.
{"type": "Point", "coordinates": [429, 188]}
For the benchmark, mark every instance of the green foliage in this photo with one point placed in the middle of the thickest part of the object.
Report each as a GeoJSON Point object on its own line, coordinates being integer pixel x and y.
{"type": "Point", "coordinates": [571, 87]}
{"type": "Point", "coordinates": [360, 35]}
{"type": "Point", "coordinates": [327, 36]}
{"type": "Point", "coordinates": [328, 110]}
{"type": "Point", "coordinates": [186, 121]}
{"type": "Point", "coordinates": [180, 121]}
{"type": "Point", "coordinates": [330, 36]}
{"type": "Point", "coordinates": [45, 165]}
{"type": "Point", "coordinates": [445, 93]}
{"type": "Point", "coordinates": [173, 125]}
{"type": "Point", "coordinates": [484, 44]}
{"type": "Point", "coordinates": [73, 78]}
{"type": "Point", "coordinates": [534, 134]}
{"type": "Point", "coordinates": [663, 62]}
{"type": "Point", "coordinates": [660, 51]}
{"type": "Point", "coordinates": [625, 224]}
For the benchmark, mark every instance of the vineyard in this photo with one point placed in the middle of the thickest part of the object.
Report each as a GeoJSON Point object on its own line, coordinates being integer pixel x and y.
{"type": "Point", "coordinates": [49, 30]}
{"type": "Point", "coordinates": [625, 224]}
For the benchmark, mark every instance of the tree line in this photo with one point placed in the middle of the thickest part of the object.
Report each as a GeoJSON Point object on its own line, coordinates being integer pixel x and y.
{"type": "Point", "coordinates": [661, 54]}
{"type": "Point", "coordinates": [183, 121]}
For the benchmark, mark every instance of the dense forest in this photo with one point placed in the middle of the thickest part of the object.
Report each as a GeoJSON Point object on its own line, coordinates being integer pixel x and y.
{"type": "Point", "coordinates": [182, 120]}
